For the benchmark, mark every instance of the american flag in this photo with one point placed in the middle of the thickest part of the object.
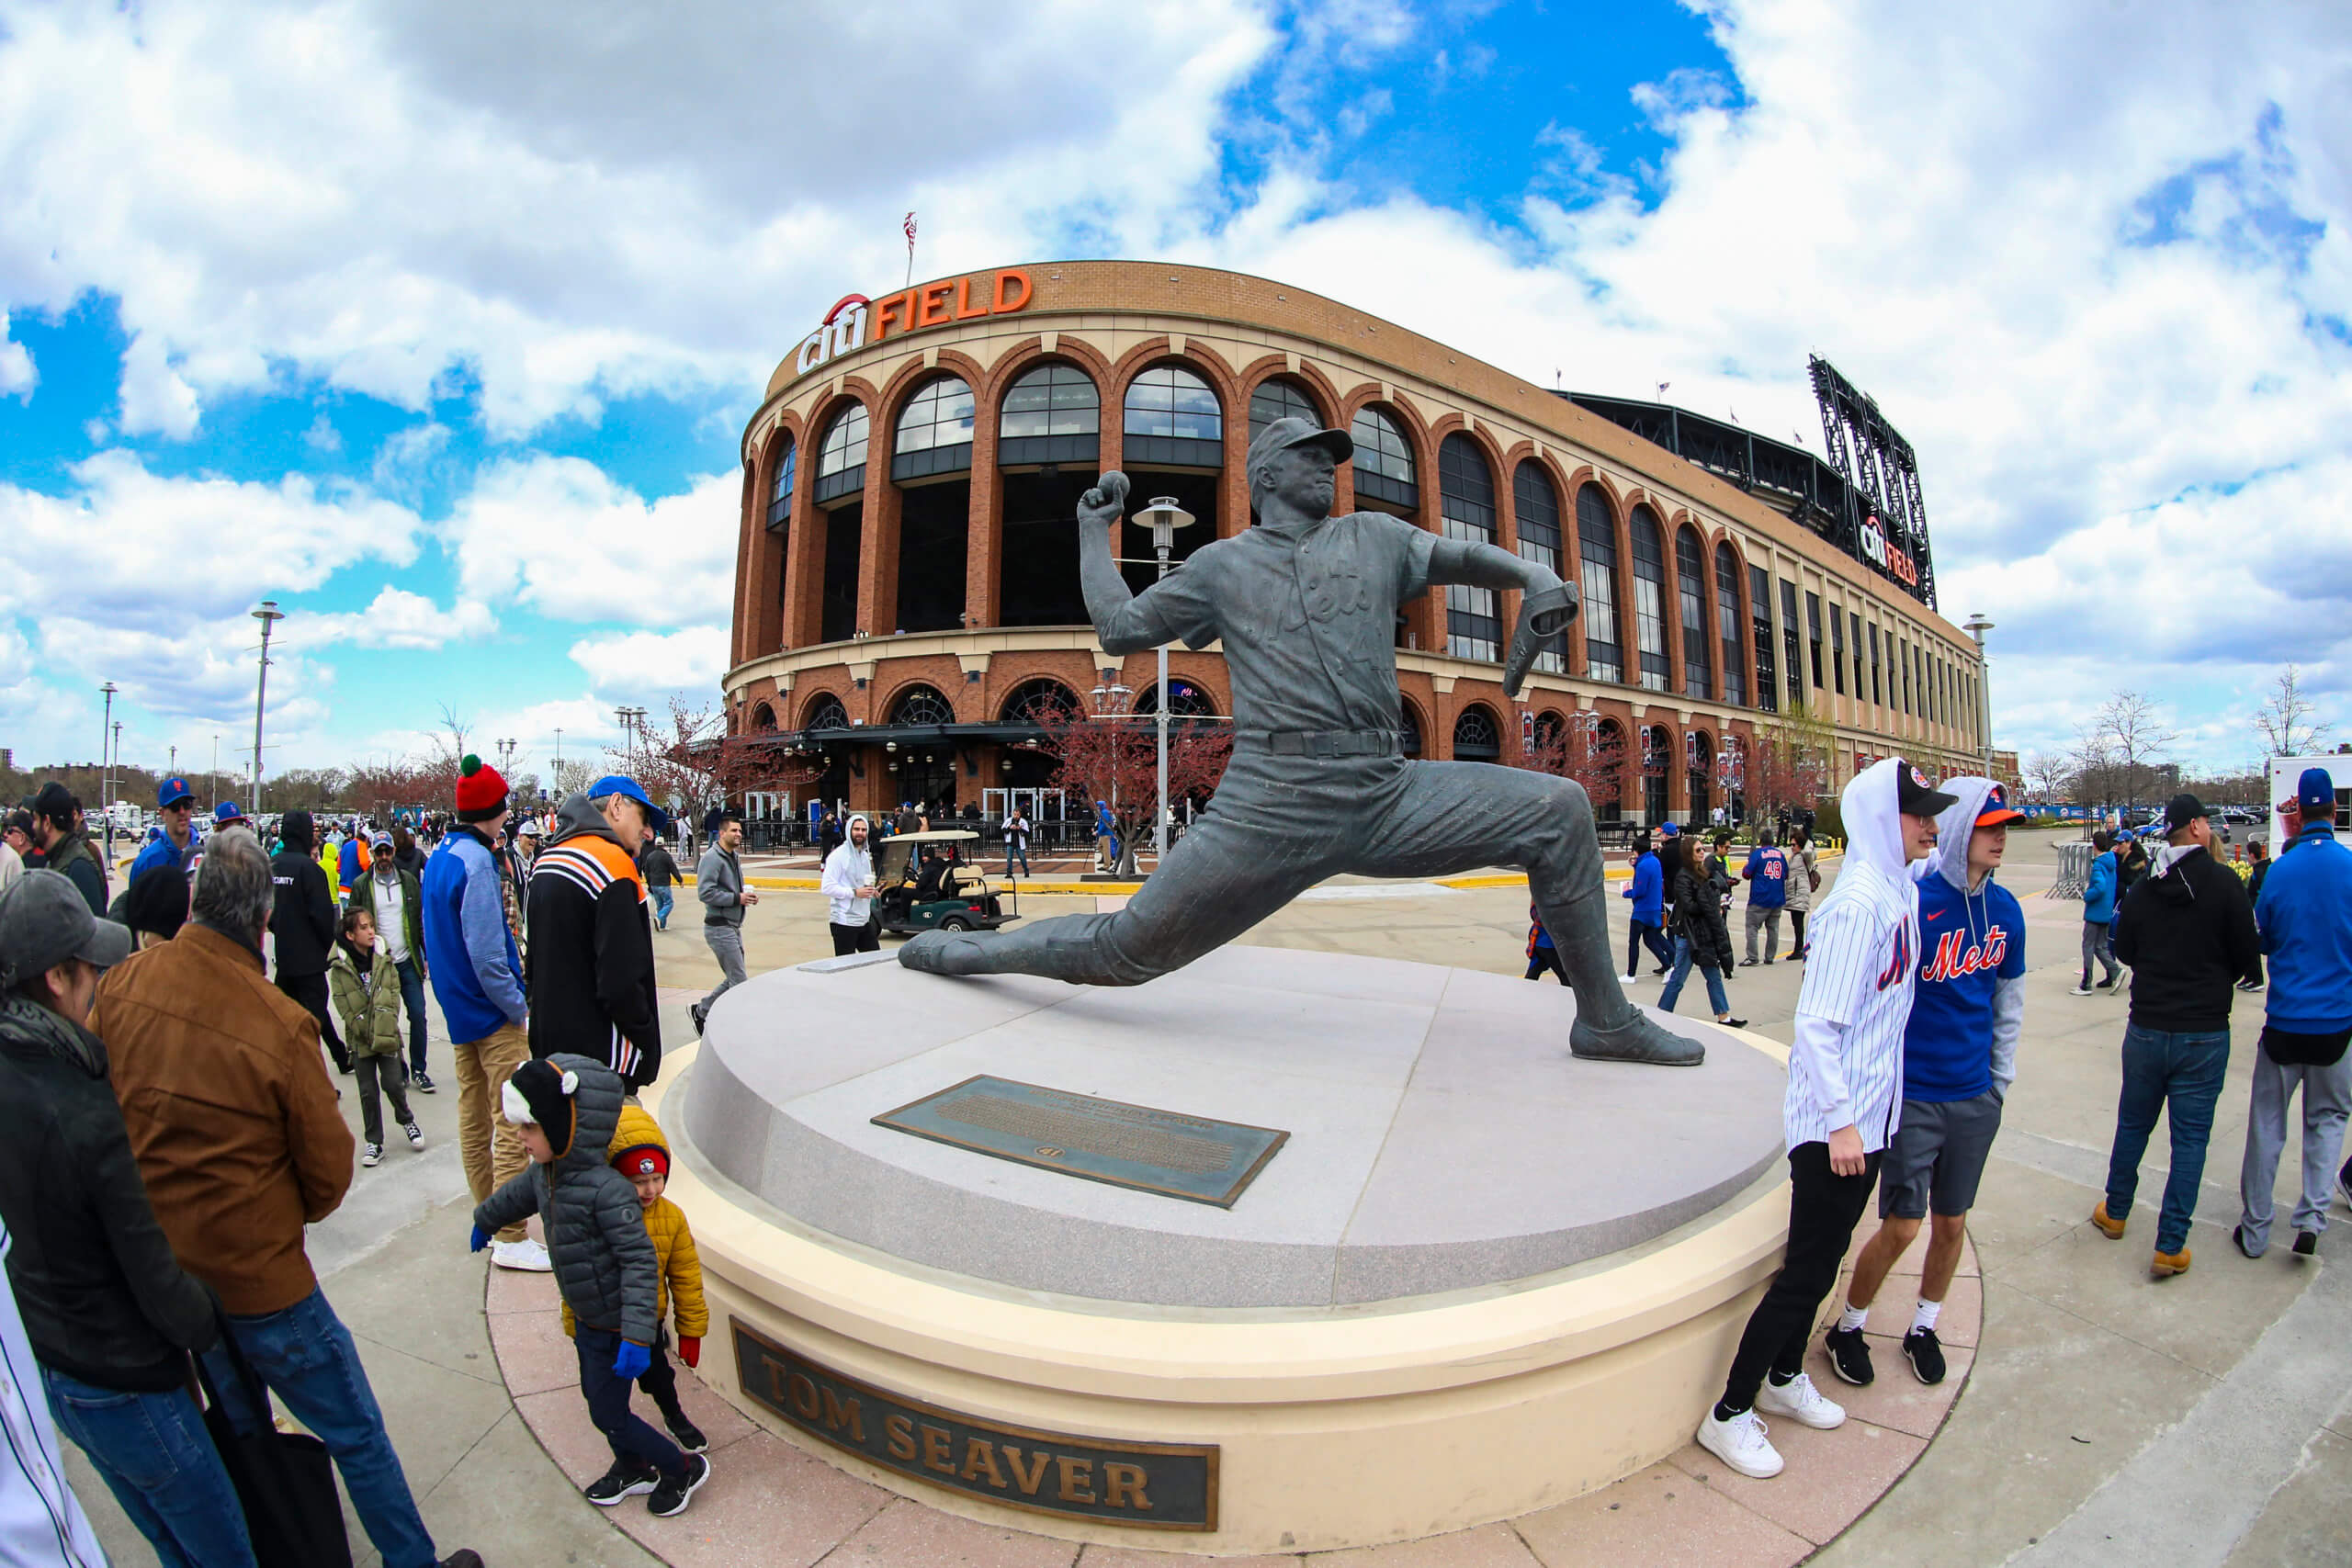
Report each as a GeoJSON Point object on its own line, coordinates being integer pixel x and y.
{"type": "Point", "coordinates": [911, 232]}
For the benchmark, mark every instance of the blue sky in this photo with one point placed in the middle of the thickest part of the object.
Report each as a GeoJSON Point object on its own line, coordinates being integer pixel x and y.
{"type": "Point", "coordinates": [440, 329]}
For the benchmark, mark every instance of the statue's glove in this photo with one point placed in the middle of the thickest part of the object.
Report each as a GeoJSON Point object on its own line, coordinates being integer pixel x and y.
{"type": "Point", "coordinates": [1544, 617]}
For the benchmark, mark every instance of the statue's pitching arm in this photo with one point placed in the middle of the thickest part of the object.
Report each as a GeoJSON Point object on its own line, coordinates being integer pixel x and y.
{"type": "Point", "coordinates": [1124, 622]}
{"type": "Point", "coordinates": [1546, 609]}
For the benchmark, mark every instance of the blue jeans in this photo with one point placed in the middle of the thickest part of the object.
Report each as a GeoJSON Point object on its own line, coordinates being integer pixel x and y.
{"type": "Point", "coordinates": [1672, 992]}
{"type": "Point", "coordinates": [412, 1002]}
{"type": "Point", "coordinates": [156, 1458]}
{"type": "Point", "coordinates": [306, 1357]}
{"type": "Point", "coordinates": [1015, 851]}
{"type": "Point", "coordinates": [663, 899]}
{"type": "Point", "coordinates": [2181, 1075]}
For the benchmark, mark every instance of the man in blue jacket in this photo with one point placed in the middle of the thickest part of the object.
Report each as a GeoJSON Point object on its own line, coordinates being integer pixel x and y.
{"type": "Point", "coordinates": [1647, 929]}
{"type": "Point", "coordinates": [1767, 875]}
{"type": "Point", "coordinates": [2099, 916]}
{"type": "Point", "coordinates": [477, 973]}
{"type": "Point", "coordinates": [2306, 919]}
{"type": "Point", "coordinates": [178, 839]}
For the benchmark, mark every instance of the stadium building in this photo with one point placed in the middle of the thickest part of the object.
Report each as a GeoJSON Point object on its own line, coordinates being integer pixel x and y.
{"type": "Point", "coordinates": [907, 582]}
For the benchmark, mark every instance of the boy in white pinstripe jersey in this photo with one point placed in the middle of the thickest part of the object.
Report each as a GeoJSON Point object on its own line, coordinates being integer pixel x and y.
{"type": "Point", "coordinates": [1845, 1095]}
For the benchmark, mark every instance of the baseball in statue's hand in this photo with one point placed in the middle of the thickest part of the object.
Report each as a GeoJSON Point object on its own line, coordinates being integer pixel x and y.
{"type": "Point", "coordinates": [1106, 502]}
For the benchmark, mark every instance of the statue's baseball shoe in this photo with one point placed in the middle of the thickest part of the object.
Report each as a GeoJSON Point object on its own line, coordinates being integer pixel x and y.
{"type": "Point", "coordinates": [1639, 1040]}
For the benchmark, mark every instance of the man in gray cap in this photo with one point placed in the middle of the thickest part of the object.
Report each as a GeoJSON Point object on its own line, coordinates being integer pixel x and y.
{"type": "Point", "coordinates": [1307, 603]}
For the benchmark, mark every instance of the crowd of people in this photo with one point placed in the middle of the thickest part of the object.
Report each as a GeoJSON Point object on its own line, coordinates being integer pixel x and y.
{"type": "Point", "coordinates": [173, 1128]}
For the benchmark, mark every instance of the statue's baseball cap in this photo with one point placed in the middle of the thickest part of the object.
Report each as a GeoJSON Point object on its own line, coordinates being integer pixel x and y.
{"type": "Point", "coordinates": [172, 791]}
{"type": "Point", "coordinates": [44, 921]}
{"type": "Point", "coordinates": [1914, 796]}
{"type": "Point", "coordinates": [1286, 434]}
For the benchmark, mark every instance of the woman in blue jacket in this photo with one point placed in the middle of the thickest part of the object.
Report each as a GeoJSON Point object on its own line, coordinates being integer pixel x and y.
{"type": "Point", "coordinates": [2099, 915]}
{"type": "Point", "coordinates": [1647, 890]}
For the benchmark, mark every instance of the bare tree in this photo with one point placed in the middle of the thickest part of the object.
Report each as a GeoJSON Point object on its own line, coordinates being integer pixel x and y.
{"type": "Point", "coordinates": [2285, 723]}
{"type": "Point", "coordinates": [2135, 739]}
{"type": "Point", "coordinates": [2050, 774]}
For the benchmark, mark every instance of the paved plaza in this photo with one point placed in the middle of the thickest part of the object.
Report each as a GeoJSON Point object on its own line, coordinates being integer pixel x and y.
{"type": "Point", "coordinates": [2202, 1420]}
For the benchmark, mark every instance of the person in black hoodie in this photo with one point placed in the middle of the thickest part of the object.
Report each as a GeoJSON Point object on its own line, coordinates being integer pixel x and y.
{"type": "Point", "coordinates": [111, 1315]}
{"type": "Point", "coordinates": [301, 924]}
{"type": "Point", "coordinates": [2187, 930]}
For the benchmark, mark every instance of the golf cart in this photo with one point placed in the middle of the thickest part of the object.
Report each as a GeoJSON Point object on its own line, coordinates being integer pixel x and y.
{"type": "Point", "coordinates": [949, 895]}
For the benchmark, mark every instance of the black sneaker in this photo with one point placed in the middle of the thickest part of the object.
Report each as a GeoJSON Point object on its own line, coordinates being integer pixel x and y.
{"type": "Point", "coordinates": [1733, 1023]}
{"type": "Point", "coordinates": [695, 1013]}
{"type": "Point", "coordinates": [423, 1084]}
{"type": "Point", "coordinates": [2307, 1243]}
{"type": "Point", "coordinates": [1747, 964]}
{"type": "Point", "coordinates": [1925, 1354]}
{"type": "Point", "coordinates": [1850, 1356]}
{"type": "Point", "coordinates": [464, 1557]}
{"type": "Point", "coordinates": [2237, 1234]}
{"type": "Point", "coordinates": [670, 1496]}
{"type": "Point", "coordinates": [687, 1435]}
{"type": "Point", "coordinates": [624, 1479]}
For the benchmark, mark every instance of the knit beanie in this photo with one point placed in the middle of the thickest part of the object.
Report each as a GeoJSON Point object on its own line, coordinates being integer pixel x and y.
{"type": "Point", "coordinates": [481, 794]}
{"type": "Point", "coordinates": [539, 1094]}
{"type": "Point", "coordinates": [642, 1159]}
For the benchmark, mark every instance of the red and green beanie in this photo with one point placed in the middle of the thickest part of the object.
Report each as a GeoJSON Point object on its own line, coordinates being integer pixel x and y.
{"type": "Point", "coordinates": [481, 794]}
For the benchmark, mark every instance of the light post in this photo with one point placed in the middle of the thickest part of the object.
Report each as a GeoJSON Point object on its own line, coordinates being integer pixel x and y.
{"type": "Point", "coordinates": [632, 735]}
{"type": "Point", "coordinates": [1111, 702]}
{"type": "Point", "coordinates": [558, 760]}
{"type": "Point", "coordinates": [105, 767]}
{"type": "Point", "coordinates": [268, 615]}
{"type": "Point", "coordinates": [1163, 517]}
{"type": "Point", "coordinates": [1977, 627]}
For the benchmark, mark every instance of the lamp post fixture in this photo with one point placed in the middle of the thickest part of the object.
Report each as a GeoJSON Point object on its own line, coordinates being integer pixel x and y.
{"type": "Point", "coordinates": [632, 734]}
{"type": "Point", "coordinates": [558, 760]}
{"type": "Point", "coordinates": [1977, 626]}
{"type": "Point", "coordinates": [1163, 517]}
{"type": "Point", "coordinates": [106, 768]}
{"type": "Point", "coordinates": [506, 754]}
{"type": "Point", "coordinates": [268, 615]}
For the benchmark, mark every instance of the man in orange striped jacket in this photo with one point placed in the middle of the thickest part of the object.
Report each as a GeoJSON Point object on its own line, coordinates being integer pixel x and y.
{"type": "Point", "coordinates": [591, 967]}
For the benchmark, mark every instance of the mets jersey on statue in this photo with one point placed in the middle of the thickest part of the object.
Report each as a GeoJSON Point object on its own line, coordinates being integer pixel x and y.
{"type": "Point", "coordinates": [590, 965]}
{"type": "Point", "coordinates": [1862, 959]}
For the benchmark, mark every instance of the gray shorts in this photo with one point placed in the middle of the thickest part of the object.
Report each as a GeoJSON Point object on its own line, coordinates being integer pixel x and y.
{"type": "Point", "coordinates": [1937, 1156]}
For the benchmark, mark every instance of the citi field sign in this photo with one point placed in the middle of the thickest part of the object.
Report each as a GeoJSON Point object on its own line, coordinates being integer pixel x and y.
{"type": "Point", "coordinates": [856, 320]}
{"type": "Point", "coordinates": [1893, 562]}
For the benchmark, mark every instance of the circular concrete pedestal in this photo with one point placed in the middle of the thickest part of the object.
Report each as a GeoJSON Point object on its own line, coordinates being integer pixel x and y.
{"type": "Point", "coordinates": [1480, 1276]}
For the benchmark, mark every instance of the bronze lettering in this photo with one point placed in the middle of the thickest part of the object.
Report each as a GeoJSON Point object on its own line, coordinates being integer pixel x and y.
{"type": "Point", "coordinates": [1077, 1478]}
{"type": "Point", "coordinates": [977, 1457]}
{"type": "Point", "coordinates": [902, 1433]}
{"type": "Point", "coordinates": [838, 1415]}
{"type": "Point", "coordinates": [935, 1455]}
{"type": "Point", "coordinates": [803, 1394]}
{"type": "Point", "coordinates": [1122, 1482]}
{"type": "Point", "coordinates": [1026, 1480]}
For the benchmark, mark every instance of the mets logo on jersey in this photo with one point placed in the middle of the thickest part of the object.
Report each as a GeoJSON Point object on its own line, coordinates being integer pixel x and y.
{"type": "Point", "coordinates": [1950, 961]}
{"type": "Point", "coordinates": [1898, 959]}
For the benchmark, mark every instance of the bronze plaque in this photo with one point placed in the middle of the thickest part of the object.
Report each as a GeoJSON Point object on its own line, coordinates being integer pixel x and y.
{"type": "Point", "coordinates": [1168, 1486]}
{"type": "Point", "coordinates": [1166, 1152]}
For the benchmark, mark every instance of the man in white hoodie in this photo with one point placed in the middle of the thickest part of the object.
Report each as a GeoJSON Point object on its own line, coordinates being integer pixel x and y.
{"type": "Point", "coordinates": [1844, 1101]}
{"type": "Point", "coordinates": [848, 886]}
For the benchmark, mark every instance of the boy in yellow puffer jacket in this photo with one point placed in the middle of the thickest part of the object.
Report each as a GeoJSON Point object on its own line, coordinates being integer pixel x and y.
{"type": "Point", "coordinates": [640, 1152]}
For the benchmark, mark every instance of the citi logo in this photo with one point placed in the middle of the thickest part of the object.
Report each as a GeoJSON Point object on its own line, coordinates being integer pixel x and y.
{"type": "Point", "coordinates": [1949, 962]}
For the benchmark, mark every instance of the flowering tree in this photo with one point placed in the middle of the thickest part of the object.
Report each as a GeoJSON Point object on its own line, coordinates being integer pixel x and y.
{"type": "Point", "coordinates": [1789, 764]}
{"type": "Point", "coordinates": [1117, 761]}
{"type": "Point", "coordinates": [1579, 752]}
{"type": "Point", "coordinates": [690, 757]}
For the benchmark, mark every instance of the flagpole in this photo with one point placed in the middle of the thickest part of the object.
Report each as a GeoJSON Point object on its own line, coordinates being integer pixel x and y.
{"type": "Point", "coordinates": [910, 227]}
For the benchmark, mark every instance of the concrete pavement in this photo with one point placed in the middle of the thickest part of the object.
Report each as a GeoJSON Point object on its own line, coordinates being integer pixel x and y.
{"type": "Point", "coordinates": [2200, 1420]}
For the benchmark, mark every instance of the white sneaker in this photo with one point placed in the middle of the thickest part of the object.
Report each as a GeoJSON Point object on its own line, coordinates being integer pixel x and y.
{"type": "Point", "coordinates": [1740, 1443]}
{"type": "Point", "coordinates": [1800, 1401]}
{"type": "Point", "coordinates": [1628, 979]}
{"type": "Point", "coordinates": [2082, 991]}
{"type": "Point", "coordinates": [526, 1255]}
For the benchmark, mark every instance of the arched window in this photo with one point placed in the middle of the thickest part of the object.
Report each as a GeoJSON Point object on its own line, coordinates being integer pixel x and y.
{"type": "Point", "coordinates": [1547, 733]}
{"type": "Point", "coordinates": [1465, 504]}
{"type": "Point", "coordinates": [1185, 699]}
{"type": "Point", "coordinates": [825, 712]}
{"type": "Point", "coordinates": [1281, 399]}
{"type": "Point", "coordinates": [1735, 651]}
{"type": "Point", "coordinates": [1052, 415]}
{"type": "Point", "coordinates": [1536, 507]}
{"type": "Point", "coordinates": [1033, 701]}
{"type": "Point", "coordinates": [1409, 716]}
{"type": "Point", "coordinates": [1699, 756]}
{"type": "Point", "coordinates": [1657, 754]}
{"type": "Point", "coordinates": [1171, 418]}
{"type": "Point", "coordinates": [763, 717]}
{"type": "Point", "coordinates": [1383, 462]}
{"type": "Point", "coordinates": [1691, 582]}
{"type": "Point", "coordinates": [1649, 598]}
{"type": "Point", "coordinates": [935, 431]}
{"type": "Point", "coordinates": [1476, 736]}
{"type": "Point", "coordinates": [921, 704]}
{"type": "Point", "coordinates": [1608, 791]}
{"type": "Point", "coordinates": [1604, 651]}
{"type": "Point", "coordinates": [840, 457]}
{"type": "Point", "coordinates": [787, 463]}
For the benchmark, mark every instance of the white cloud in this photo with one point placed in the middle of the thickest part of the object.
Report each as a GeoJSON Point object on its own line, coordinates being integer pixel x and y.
{"type": "Point", "coordinates": [17, 373]}
{"type": "Point", "coordinates": [637, 664]}
{"type": "Point", "coordinates": [559, 535]}
{"type": "Point", "coordinates": [154, 396]}
{"type": "Point", "coordinates": [397, 619]}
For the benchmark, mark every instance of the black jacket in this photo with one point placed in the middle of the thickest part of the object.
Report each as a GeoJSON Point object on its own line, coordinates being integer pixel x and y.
{"type": "Point", "coordinates": [589, 970]}
{"type": "Point", "coordinates": [2188, 936]}
{"type": "Point", "coordinates": [302, 920]}
{"type": "Point", "coordinates": [1699, 915]}
{"type": "Point", "coordinates": [103, 1300]}
{"type": "Point", "coordinates": [73, 857]}
{"type": "Point", "coordinates": [660, 868]}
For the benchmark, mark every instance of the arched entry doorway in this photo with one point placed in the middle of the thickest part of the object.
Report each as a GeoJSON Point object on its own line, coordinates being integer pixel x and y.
{"type": "Point", "coordinates": [1658, 753]}
{"type": "Point", "coordinates": [1700, 754]}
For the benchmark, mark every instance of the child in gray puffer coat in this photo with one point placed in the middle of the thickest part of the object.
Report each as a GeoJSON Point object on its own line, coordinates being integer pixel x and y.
{"type": "Point", "coordinates": [566, 1107]}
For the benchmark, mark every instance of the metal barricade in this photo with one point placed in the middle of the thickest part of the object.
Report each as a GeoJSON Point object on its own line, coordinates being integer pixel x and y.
{"type": "Point", "coordinates": [2074, 859]}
